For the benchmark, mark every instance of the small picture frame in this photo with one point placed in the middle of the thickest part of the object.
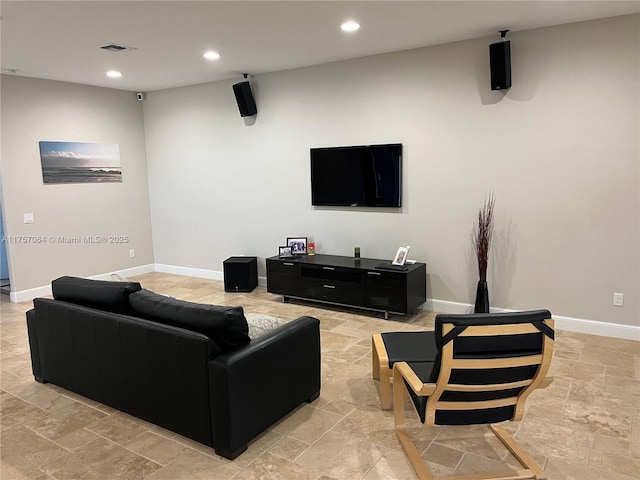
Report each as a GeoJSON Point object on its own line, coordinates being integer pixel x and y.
{"type": "Point", "coordinates": [401, 256]}
{"type": "Point", "coordinates": [298, 245]}
{"type": "Point", "coordinates": [284, 251]}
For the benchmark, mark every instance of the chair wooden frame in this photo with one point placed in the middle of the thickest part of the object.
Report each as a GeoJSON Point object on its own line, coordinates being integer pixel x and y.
{"type": "Point", "coordinates": [383, 354]}
{"type": "Point", "coordinates": [381, 370]}
{"type": "Point", "coordinates": [403, 375]}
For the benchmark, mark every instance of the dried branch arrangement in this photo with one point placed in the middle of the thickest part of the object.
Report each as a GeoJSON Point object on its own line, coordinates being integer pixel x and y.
{"type": "Point", "coordinates": [482, 235]}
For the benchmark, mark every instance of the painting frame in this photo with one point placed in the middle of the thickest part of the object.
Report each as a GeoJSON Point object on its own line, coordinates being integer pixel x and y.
{"type": "Point", "coordinates": [401, 256]}
{"type": "Point", "coordinates": [65, 162]}
{"type": "Point", "coordinates": [298, 245]}
{"type": "Point", "coordinates": [284, 251]}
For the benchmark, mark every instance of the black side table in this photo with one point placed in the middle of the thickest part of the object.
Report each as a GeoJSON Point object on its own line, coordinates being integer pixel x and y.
{"type": "Point", "coordinates": [240, 274]}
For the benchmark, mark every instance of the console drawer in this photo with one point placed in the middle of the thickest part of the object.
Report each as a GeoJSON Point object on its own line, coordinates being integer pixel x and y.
{"type": "Point", "coordinates": [283, 267]}
{"type": "Point", "coordinates": [331, 274]}
{"type": "Point", "coordinates": [385, 279]}
{"type": "Point", "coordinates": [331, 291]}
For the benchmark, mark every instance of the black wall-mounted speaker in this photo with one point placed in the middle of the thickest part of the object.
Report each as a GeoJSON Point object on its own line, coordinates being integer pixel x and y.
{"type": "Point", "coordinates": [500, 65]}
{"type": "Point", "coordinates": [244, 98]}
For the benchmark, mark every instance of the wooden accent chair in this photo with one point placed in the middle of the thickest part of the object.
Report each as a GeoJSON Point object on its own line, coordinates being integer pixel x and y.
{"type": "Point", "coordinates": [391, 347]}
{"type": "Point", "coordinates": [486, 367]}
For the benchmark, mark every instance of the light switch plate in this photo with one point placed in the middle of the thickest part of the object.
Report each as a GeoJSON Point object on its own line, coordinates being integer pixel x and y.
{"type": "Point", "coordinates": [618, 299]}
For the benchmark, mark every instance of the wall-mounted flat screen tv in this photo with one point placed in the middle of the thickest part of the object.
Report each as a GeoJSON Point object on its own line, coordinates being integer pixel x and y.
{"type": "Point", "coordinates": [357, 176]}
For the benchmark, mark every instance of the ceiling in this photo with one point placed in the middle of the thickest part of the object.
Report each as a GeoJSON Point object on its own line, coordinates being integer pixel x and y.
{"type": "Point", "coordinates": [61, 40]}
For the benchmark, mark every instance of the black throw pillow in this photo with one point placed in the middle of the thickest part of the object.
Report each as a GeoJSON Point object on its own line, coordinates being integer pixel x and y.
{"type": "Point", "coordinates": [226, 326]}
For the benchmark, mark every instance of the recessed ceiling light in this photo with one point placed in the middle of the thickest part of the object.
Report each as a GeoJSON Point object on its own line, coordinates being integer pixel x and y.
{"type": "Point", "coordinates": [113, 74]}
{"type": "Point", "coordinates": [211, 55]}
{"type": "Point", "coordinates": [350, 26]}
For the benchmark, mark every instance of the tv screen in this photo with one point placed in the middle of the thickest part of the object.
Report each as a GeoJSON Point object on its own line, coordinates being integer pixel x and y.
{"type": "Point", "coordinates": [365, 175]}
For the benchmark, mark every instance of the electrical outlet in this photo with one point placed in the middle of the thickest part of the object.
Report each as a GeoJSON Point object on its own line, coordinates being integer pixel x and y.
{"type": "Point", "coordinates": [28, 218]}
{"type": "Point", "coordinates": [132, 253]}
{"type": "Point", "coordinates": [618, 299]}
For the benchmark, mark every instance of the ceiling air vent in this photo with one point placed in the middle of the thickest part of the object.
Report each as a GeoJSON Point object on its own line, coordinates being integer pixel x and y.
{"type": "Point", "coordinates": [116, 48]}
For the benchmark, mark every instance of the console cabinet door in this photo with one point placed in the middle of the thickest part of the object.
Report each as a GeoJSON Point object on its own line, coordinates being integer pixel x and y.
{"type": "Point", "coordinates": [282, 277]}
{"type": "Point", "coordinates": [386, 290]}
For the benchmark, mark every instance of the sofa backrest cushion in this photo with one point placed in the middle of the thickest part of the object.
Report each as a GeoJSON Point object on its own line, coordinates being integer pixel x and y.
{"type": "Point", "coordinates": [100, 294]}
{"type": "Point", "coordinates": [226, 326]}
{"type": "Point", "coordinates": [155, 372]}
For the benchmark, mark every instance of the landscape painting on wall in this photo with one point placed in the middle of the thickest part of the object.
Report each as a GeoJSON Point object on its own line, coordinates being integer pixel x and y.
{"type": "Point", "coordinates": [77, 162]}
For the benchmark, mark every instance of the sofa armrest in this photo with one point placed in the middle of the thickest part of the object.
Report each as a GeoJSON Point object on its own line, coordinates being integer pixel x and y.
{"type": "Point", "coordinates": [33, 346]}
{"type": "Point", "coordinates": [258, 384]}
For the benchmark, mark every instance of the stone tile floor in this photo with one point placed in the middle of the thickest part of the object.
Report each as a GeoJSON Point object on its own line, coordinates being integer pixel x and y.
{"type": "Point", "coordinates": [585, 426]}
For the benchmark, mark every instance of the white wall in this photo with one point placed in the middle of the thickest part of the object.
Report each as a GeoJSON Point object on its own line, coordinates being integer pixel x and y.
{"type": "Point", "coordinates": [560, 150]}
{"type": "Point", "coordinates": [35, 110]}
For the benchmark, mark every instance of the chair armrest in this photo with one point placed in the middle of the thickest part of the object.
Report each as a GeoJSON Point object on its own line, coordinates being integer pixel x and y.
{"type": "Point", "coordinates": [256, 385]}
{"type": "Point", "coordinates": [413, 381]}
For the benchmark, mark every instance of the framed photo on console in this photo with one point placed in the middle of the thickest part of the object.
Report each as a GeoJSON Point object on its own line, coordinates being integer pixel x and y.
{"type": "Point", "coordinates": [401, 256]}
{"type": "Point", "coordinates": [298, 245]}
{"type": "Point", "coordinates": [284, 251]}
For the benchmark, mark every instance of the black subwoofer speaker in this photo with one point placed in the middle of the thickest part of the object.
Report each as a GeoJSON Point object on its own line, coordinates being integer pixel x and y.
{"type": "Point", "coordinates": [240, 274]}
{"type": "Point", "coordinates": [500, 65]}
{"type": "Point", "coordinates": [244, 98]}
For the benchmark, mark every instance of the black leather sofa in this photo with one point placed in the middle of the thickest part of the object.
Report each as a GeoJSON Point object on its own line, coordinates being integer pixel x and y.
{"type": "Point", "coordinates": [187, 367]}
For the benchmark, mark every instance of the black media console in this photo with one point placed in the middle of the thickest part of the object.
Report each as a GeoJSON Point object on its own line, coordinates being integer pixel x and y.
{"type": "Point", "coordinates": [366, 283]}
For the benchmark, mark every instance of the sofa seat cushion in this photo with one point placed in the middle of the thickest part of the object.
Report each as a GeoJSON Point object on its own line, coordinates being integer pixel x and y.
{"type": "Point", "coordinates": [99, 294]}
{"type": "Point", "coordinates": [226, 326]}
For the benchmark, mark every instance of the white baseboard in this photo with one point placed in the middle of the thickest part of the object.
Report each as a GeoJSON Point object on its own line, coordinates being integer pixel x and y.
{"type": "Point", "coordinates": [570, 324]}
{"type": "Point", "coordinates": [596, 327]}
{"type": "Point", "coordinates": [580, 325]}
{"type": "Point", "coordinates": [126, 273]}
{"type": "Point", "coordinates": [30, 294]}
{"type": "Point", "coordinates": [199, 273]}
{"type": "Point", "coordinates": [442, 306]}
{"type": "Point", "coordinates": [189, 271]}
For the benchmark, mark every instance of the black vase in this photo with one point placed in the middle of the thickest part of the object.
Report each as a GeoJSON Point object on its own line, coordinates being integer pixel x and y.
{"type": "Point", "coordinates": [482, 297]}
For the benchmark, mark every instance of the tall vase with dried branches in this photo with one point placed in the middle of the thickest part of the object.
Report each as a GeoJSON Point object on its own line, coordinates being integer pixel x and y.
{"type": "Point", "coordinates": [482, 242]}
